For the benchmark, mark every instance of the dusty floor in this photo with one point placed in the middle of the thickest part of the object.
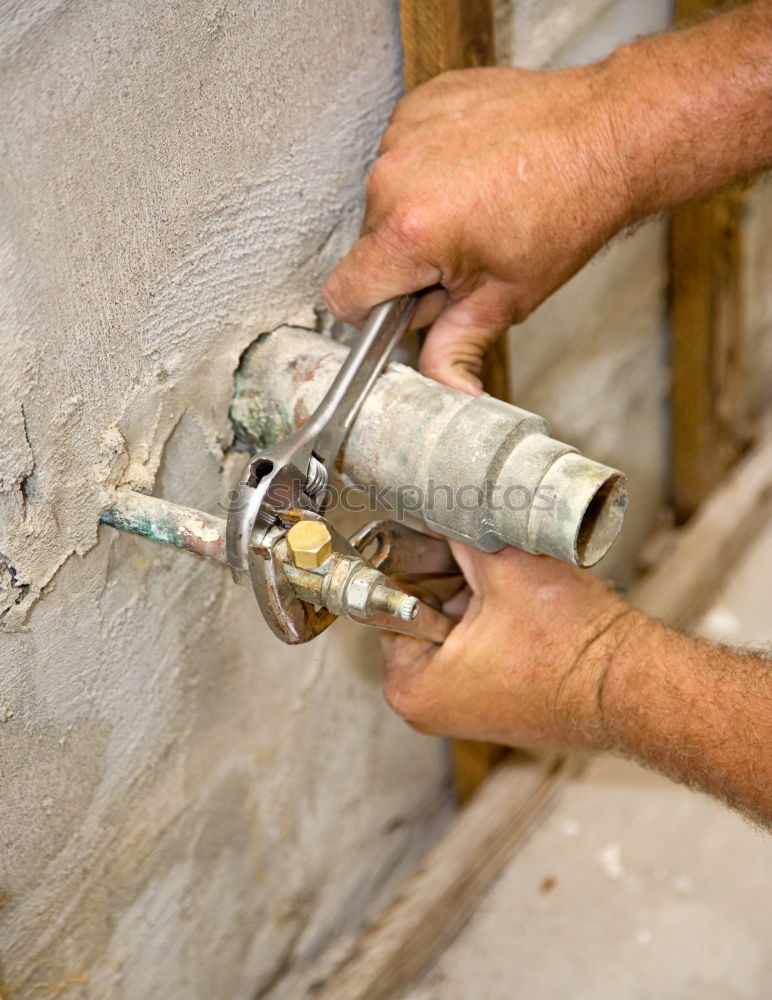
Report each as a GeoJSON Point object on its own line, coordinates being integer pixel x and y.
{"type": "Point", "coordinates": [634, 888]}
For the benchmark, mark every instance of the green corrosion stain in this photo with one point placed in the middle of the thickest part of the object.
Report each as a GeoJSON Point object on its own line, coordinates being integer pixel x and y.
{"type": "Point", "coordinates": [139, 525]}
{"type": "Point", "coordinates": [255, 424]}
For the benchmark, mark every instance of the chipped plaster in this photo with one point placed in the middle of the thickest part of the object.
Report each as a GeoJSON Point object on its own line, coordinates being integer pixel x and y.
{"type": "Point", "coordinates": [176, 179]}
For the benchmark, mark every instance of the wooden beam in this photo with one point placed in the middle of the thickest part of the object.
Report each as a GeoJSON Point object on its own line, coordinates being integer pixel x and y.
{"type": "Point", "coordinates": [709, 401]}
{"type": "Point", "coordinates": [440, 35]}
{"type": "Point", "coordinates": [686, 579]}
{"type": "Point", "coordinates": [431, 906]}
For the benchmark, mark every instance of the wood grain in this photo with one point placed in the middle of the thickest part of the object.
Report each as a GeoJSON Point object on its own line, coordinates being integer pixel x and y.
{"type": "Point", "coordinates": [433, 904]}
{"type": "Point", "coordinates": [710, 426]}
{"type": "Point", "coordinates": [687, 578]}
{"type": "Point", "coordinates": [439, 35]}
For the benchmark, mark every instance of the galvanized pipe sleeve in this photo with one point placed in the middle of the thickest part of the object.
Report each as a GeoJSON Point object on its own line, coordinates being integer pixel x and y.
{"type": "Point", "coordinates": [475, 469]}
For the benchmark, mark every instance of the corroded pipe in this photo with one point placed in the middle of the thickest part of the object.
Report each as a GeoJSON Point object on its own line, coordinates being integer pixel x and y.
{"type": "Point", "coordinates": [184, 528]}
{"type": "Point", "coordinates": [475, 469]}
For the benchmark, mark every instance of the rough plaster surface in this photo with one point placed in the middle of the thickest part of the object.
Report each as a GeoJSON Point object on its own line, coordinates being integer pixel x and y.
{"type": "Point", "coordinates": [189, 807]}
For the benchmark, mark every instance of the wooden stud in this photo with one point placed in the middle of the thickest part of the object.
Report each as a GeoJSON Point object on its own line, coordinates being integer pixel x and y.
{"type": "Point", "coordinates": [433, 904]}
{"type": "Point", "coordinates": [440, 35]}
{"type": "Point", "coordinates": [688, 576]}
{"type": "Point", "coordinates": [709, 400]}
{"type": "Point", "coordinates": [710, 428]}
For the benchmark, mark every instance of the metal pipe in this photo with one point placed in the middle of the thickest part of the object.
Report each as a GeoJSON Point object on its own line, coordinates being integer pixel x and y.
{"type": "Point", "coordinates": [182, 527]}
{"type": "Point", "coordinates": [348, 587]}
{"type": "Point", "coordinates": [475, 469]}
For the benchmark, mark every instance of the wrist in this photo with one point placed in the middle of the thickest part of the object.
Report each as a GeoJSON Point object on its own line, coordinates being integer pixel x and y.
{"type": "Point", "coordinates": [608, 184]}
{"type": "Point", "coordinates": [590, 725]}
{"type": "Point", "coordinates": [631, 146]}
{"type": "Point", "coordinates": [691, 110]}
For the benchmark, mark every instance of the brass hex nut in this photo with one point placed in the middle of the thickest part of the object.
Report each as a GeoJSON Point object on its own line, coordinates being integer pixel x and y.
{"type": "Point", "coordinates": [309, 543]}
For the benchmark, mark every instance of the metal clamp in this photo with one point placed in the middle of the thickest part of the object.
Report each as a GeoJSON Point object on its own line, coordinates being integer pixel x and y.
{"type": "Point", "coordinates": [285, 485]}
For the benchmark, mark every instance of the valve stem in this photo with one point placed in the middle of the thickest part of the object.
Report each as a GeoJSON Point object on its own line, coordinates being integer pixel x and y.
{"type": "Point", "coordinates": [394, 602]}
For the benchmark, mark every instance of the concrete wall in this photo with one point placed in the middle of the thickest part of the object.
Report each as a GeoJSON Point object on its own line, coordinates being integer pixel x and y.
{"type": "Point", "coordinates": [189, 807]}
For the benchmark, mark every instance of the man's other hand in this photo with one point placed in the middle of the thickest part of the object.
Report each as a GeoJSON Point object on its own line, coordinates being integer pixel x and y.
{"type": "Point", "coordinates": [495, 184]}
{"type": "Point", "coordinates": [524, 665]}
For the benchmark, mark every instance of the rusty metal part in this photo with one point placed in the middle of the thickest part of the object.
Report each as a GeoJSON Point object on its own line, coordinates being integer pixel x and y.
{"type": "Point", "coordinates": [350, 588]}
{"type": "Point", "coordinates": [373, 587]}
{"type": "Point", "coordinates": [291, 618]}
{"type": "Point", "coordinates": [289, 474]}
{"type": "Point", "coordinates": [298, 600]}
{"type": "Point", "coordinates": [414, 561]}
{"type": "Point", "coordinates": [474, 469]}
{"type": "Point", "coordinates": [184, 528]}
{"type": "Point", "coordinates": [394, 602]}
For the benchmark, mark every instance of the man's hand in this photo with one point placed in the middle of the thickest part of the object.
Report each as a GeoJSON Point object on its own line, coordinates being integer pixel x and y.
{"type": "Point", "coordinates": [497, 185]}
{"type": "Point", "coordinates": [548, 655]}
{"type": "Point", "coordinates": [525, 665]}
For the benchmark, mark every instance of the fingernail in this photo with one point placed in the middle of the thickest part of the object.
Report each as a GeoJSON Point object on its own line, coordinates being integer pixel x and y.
{"type": "Point", "coordinates": [471, 385]}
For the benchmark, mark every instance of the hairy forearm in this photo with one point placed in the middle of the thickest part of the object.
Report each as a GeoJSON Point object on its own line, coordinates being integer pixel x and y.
{"type": "Point", "coordinates": [692, 110]}
{"type": "Point", "coordinates": [700, 713]}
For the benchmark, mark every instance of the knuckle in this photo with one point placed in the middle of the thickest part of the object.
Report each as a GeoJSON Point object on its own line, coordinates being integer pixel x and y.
{"type": "Point", "coordinates": [332, 293]}
{"type": "Point", "coordinates": [502, 307]}
{"type": "Point", "coordinates": [520, 308]}
{"type": "Point", "coordinates": [375, 177]}
{"type": "Point", "coordinates": [518, 314]}
{"type": "Point", "coordinates": [388, 140]}
{"type": "Point", "coordinates": [451, 76]}
{"type": "Point", "coordinates": [410, 224]}
{"type": "Point", "coordinates": [404, 107]}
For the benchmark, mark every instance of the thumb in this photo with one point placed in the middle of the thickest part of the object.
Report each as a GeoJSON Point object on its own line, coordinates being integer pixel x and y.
{"type": "Point", "coordinates": [372, 272]}
{"type": "Point", "coordinates": [457, 341]}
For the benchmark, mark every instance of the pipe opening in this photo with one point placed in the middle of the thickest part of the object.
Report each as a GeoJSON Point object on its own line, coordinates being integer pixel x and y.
{"type": "Point", "coordinates": [601, 521]}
